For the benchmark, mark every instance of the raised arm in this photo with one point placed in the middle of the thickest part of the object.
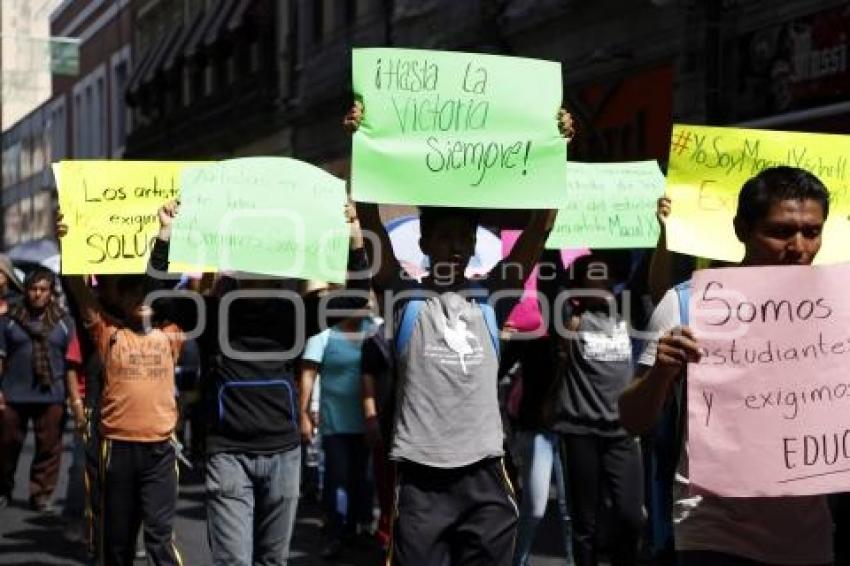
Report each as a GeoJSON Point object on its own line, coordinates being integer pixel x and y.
{"type": "Point", "coordinates": [309, 369]}
{"type": "Point", "coordinates": [526, 252]}
{"type": "Point", "coordinates": [382, 261]}
{"type": "Point", "coordinates": [72, 387]}
{"type": "Point", "coordinates": [358, 263]}
{"type": "Point", "coordinates": [90, 308]}
{"type": "Point", "coordinates": [660, 265]}
{"type": "Point", "coordinates": [642, 402]}
{"type": "Point", "coordinates": [88, 304]}
{"type": "Point", "coordinates": [159, 255]}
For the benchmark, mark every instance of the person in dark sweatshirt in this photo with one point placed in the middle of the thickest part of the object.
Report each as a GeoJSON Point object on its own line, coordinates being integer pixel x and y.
{"type": "Point", "coordinates": [593, 356]}
{"type": "Point", "coordinates": [253, 456]}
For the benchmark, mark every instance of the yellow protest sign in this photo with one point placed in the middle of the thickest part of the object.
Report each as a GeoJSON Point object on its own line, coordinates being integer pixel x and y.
{"type": "Point", "coordinates": [111, 211]}
{"type": "Point", "coordinates": [708, 166]}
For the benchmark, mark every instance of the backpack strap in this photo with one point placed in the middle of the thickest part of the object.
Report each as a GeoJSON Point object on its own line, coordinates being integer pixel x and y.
{"type": "Point", "coordinates": [489, 314]}
{"type": "Point", "coordinates": [409, 314]}
{"type": "Point", "coordinates": [414, 305]}
{"type": "Point", "coordinates": [380, 341]}
{"type": "Point", "coordinates": [481, 298]}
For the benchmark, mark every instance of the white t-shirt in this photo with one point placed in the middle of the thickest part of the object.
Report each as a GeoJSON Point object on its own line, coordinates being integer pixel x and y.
{"type": "Point", "coordinates": [778, 530]}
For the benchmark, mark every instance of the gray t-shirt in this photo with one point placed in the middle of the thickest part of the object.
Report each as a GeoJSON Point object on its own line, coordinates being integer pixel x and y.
{"type": "Point", "coordinates": [778, 530]}
{"type": "Point", "coordinates": [598, 369]}
{"type": "Point", "coordinates": [447, 405]}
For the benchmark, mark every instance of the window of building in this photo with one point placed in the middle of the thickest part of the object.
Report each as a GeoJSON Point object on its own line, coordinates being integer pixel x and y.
{"type": "Point", "coordinates": [90, 113]}
{"type": "Point", "coordinates": [15, 163]}
{"type": "Point", "coordinates": [196, 81]}
{"type": "Point", "coordinates": [78, 124]}
{"type": "Point", "coordinates": [48, 142]}
{"type": "Point", "coordinates": [230, 69]}
{"type": "Point", "coordinates": [99, 119]}
{"type": "Point", "coordinates": [11, 165]}
{"type": "Point", "coordinates": [23, 160]}
{"type": "Point", "coordinates": [7, 168]}
{"type": "Point", "coordinates": [209, 78]}
{"type": "Point", "coordinates": [121, 117]}
{"type": "Point", "coordinates": [254, 55]}
{"type": "Point", "coordinates": [38, 152]}
{"type": "Point", "coordinates": [187, 85]}
{"type": "Point", "coordinates": [56, 132]}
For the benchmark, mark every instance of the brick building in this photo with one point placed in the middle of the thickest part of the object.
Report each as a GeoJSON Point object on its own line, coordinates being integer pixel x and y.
{"type": "Point", "coordinates": [211, 79]}
{"type": "Point", "coordinates": [85, 116]}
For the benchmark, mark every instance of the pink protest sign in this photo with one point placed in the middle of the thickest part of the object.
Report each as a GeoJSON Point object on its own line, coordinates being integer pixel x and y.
{"type": "Point", "coordinates": [769, 402]}
{"type": "Point", "coordinates": [526, 316]}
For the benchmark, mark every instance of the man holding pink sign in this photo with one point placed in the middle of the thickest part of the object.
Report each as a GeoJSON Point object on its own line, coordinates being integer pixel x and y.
{"type": "Point", "coordinates": [780, 217]}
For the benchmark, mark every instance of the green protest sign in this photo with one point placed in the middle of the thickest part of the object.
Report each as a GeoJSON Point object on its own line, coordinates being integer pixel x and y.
{"type": "Point", "coordinates": [457, 129]}
{"type": "Point", "coordinates": [610, 205]}
{"type": "Point", "coordinates": [264, 215]}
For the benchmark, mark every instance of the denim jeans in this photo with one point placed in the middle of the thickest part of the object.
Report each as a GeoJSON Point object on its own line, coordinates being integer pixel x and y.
{"type": "Point", "coordinates": [541, 454]}
{"type": "Point", "coordinates": [251, 505]}
{"type": "Point", "coordinates": [348, 490]}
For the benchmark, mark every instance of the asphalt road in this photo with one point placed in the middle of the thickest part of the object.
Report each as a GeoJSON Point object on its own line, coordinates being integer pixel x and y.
{"type": "Point", "coordinates": [29, 539]}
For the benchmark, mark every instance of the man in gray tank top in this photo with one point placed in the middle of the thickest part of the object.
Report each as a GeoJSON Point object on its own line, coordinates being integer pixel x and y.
{"type": "Point", "coordinates": [454, 502]}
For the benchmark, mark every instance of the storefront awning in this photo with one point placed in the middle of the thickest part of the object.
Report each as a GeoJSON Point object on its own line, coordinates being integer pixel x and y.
{"type": "Point", "coordinates": [216, 30]}
{"type": "Point", "coordinates": [139, 70]}
{"type": "Point", "coordinates": [198, 33]}
{"type": "Point", "coordinates": [159, 56]}
{"type": "Point", "coordinates": [176, 52]}
{"type": "Point", "coordinates": [238, 15]}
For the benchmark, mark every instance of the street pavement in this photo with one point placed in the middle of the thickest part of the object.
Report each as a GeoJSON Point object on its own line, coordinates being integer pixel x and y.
{"type": "Point", "coordinates": [29, 539]}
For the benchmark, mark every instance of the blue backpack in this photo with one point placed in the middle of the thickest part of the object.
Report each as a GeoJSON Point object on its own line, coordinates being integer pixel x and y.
{"type": "Point", "coordinates": [401, 338]}
{"type": "Point", "coordinates": [413, 306]}
{"type": "Point", "coordinates": [667, 441]}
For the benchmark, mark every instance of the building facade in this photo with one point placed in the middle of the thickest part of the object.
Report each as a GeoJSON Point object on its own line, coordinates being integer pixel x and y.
{"type": "Point", "coordinates": [85, 117]}
{"type": "Point", "coordinates": [213, 79]}
{"type": "Point", "coordinates": [630, 67]}
{"type": "Point", "coordinates": [210, 82]}
{"type": "Point", "coordinates": [24, 57]}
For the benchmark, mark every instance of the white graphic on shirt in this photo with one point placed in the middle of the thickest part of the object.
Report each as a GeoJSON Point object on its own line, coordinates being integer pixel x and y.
{"type": "Point", "coordinates": [605, 347]}
{"type": "Point", "coordinates": [458, 338]}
